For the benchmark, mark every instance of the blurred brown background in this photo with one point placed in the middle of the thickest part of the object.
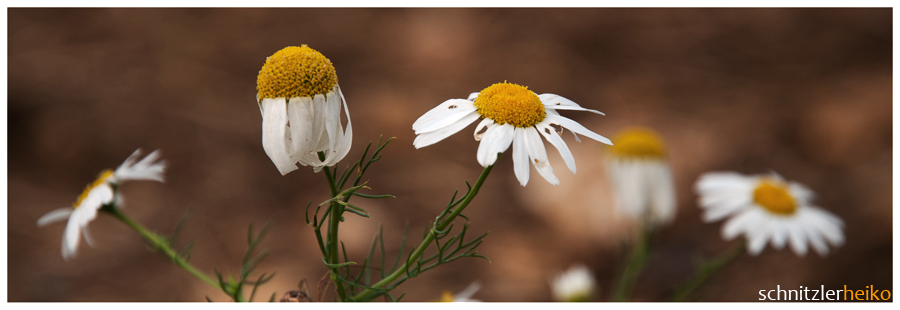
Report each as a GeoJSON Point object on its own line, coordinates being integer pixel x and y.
{"type": "Point", "coordinates": [804, 92]}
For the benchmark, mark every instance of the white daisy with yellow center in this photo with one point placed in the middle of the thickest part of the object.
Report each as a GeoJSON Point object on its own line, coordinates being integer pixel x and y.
{"type": "Point", "coordinates": [574, 285]}
{"type": "Point", "coordinates": [99, 193]}
{"type": "Point", "coordinates": [510, 115]}
{"type": "Point", "coordinates": [641, 177]}
{"type": "Point", "coordinates": [464, 296]}
{"type": "Point", "coordinates": [300, 102]}
{"type": "Point", "coordinates": [767, 208]}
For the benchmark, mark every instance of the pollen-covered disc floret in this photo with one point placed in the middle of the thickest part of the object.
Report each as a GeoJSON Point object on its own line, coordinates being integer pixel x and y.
{"type": "Point", "coordinates": [638, 143]}
{"type": "Point", "coordinates": [508, 115]}
{"type": "Point", "coordinates": [767, 209]}
{"type": "Point", "coordinates": [507, 103]}
{"type": "Point", "coordinates": [773, 196]}
{"type": "Point", "coordinates": [296, 72]}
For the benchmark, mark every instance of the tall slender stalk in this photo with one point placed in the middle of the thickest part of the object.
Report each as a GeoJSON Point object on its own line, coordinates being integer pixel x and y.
{"type": "Point", "coordinates": [337, 212]}
{"type": "Point", "coordinates": [707, 269]}
{"type": "Point", "coordinates": [368, 293]}
{"type": "Point", "coordinates": [632, 271]}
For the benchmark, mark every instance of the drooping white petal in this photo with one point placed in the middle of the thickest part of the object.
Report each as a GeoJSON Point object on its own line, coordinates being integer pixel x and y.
{"type": "Point", "coordinates": [332, 120]}
{"type": "Point", "coordinates": [553, 137]}
{"type": "Point", "coordinates": [481, 129]}
{"type": "Point", "coordinates": [538, 154]}
{"type": "Point", "coordinates": [520, 157]}
{"type": "Point", "coordinates": [54, 216]}
{"type": "Point", "coordinates": [662, 192]}
{"type": "Point", "coordinates": [557, 102]}
{"type": "Point", "coordinates": [300, 112]}
{"type": "Point", "coordinates": [575, 127]}
{"type": "Point", "coordinates": [438, 112]}
{"type": "Point", "coordinates": [274, 135]}
{"type": "Point", "coordinates": [496, 140]}
{"type": "Point", "coordinates": [346, 138]}
{"type": "Point", "coordinates": [454, 112]}
{"type": "Point", "coordinates": [87, 236]}
{"type": "Point", "coordinates": [433, 137]}
{"type": "Point", "coordinates": [71, 236]}
{"type": "Point", "coordinates": [628, 185]}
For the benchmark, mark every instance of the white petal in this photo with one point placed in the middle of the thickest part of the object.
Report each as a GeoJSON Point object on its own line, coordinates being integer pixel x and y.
{"type": "Point", "coordinates": [575, 127]}
{"type": "Point", "coordinates": [332, 120]}
{"type": "Point", "coordinates": [496, 140]}
{"type": "Point", "coordinates": [520, 157]}
{"type": "Point", "coordinates": [756, 241]}
{"type": "Point", "coordinates": [71, 237]}
{"type": "Point", "coordinates": [454, 112]}
{"type": "Point", "coordinates": [815, 239]}
{"type": "Point", "coordinates": [482, 128]}
{"type": "Point", "coordinates": [433, 137]}
{"type": "Point", "coordinates": [538, 155]}
{"type": "Point", "coordinates": [557, 102]}
{"type": "Point", "coordinates": [54, 216]}
{"type": "Point", "coordinates": [737, 225]}
{"type": "Point", "coordinates": [439, 111]}
{"type": "Point", "coordinates": [300, 113]}
{"type": "Point", "coordinates": [87, 236]}
{"type": "Point", "coordinates": [797, 239]}
{"type": "Point", "coordinates": [662, 192]}
{"type": "Point", "coordinates": [467, 293]}
{"type": "Point", "coordinates": [550, 134]}
{"type": "Point", "coordinates": [145, 169]}
{"type": "Point", "coordinates": [628, 183]}
{"type": "Point", "coordinates": [344, 138]}
{"type": "Point", "coordinates": [779, 234]}
{"type": "Point", "coordinates": [472, 96]}
{"type": "Point", "coordinates": [274, 122]}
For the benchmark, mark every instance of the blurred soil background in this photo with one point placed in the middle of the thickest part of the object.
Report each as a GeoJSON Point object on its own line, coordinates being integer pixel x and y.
{"type": "Point", "coordinates": [804, 92]}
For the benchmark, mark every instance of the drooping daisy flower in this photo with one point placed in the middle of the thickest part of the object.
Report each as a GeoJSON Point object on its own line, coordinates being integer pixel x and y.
{"type": "Point", "coordinates": [767, 208]}
{"type": "Point", "coordinates": [576, 284]}
{"type": "Point", "coordinates": [99, 193]}
{"type": "Point", "coordinates": [510, 114]}
{"type": "Point", "coordinates": [300, 102]}
{"type": "Point", "coordinates": [464, 296]}
{"type": "Point", "coordinates": [641, 176]}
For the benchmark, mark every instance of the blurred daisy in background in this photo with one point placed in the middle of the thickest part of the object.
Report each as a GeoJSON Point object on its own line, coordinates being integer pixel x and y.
{"type": "Point", "coordinates": [300, 102]}
{"type": "Point", "coordinates": [641, 177]}
{"type": "Point", "coordinates": [464, 296]}
{"type": "Point", "coordinates": [99, 193]}
{"type": "Point", "coordinates": [574, 285]}
{"type": "Point", "coordinates": [767, 208]}
{"type": "Point", "coordinates": [510, 114]}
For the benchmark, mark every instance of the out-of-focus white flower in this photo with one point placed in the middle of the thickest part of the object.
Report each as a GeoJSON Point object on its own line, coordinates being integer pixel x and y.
{"type": "Point", "coordinates": [576, 284]}
{"type": "Point", "coordinates": [641, 177]}
{"type": "Point", "coordinates": [300, 102]}
{"type": "Point", "coordinates": [99, 193]}
{"type": "Point", "coordinates": [766, 208]}
{"type": "Point", "coordinates": [510, 114]}
{"type": "Point", "coordinates": [464, 296]}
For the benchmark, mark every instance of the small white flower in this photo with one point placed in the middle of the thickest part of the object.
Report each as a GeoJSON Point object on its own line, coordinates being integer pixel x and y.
{"type": "Point", "coordinates": [98, 194]}
{"type": "Point", "coordinates": [510, 114]}
{"type": "Point", "coordinates": [641, 177]}
{"type": "Point", "coordinates": [766, 208]}
{"type": "Point", "coordinates": [576, 284]}
{"type": "Point", "coordinates": [464, 296]}
{"type": "Point", "coordinates": [300, 102]}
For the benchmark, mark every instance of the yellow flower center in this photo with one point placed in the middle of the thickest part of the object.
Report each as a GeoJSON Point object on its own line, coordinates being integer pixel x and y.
{"type": "Point", "coordinates": [638, 143]}
{"type": "Point", "coordinates": [446, 296]}
{"type": "Point", "coordinates": [105, 174]}
{"type": "Point", "coordinates": [773, 196]}
{"type": "Point", "coordinates": [506, 103]}
{"type": "Point", "coordinates": [295, 72]}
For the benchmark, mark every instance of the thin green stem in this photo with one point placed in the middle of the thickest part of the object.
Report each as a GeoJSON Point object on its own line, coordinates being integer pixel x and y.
{"type": "Point", "coordinates": [162, 245]}
{"type": "Point", "coordinates": [337, 211]}
{"type": "Point", "coordinates": [368, 293]}
{"type": "Point", "coordinates": [632, 271]}
{"type": "Point", "coordinates": [707, 269]}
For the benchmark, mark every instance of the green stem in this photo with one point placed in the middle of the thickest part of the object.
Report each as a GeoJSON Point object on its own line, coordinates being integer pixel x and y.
{"type": "Point", "coordinates": [367, 293]}
{"type": "Point", "coordinates": [639, 255]}
{"type": "Point", "coordinates": [707, 269]}
{"type": "Point", "coordinates": [337, 211]}
{"type": "Point", "coordinates": [162, 245]}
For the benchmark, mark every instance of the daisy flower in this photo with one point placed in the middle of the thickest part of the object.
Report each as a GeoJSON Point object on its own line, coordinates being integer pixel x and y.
{"type": "Point", "coordinates": [510, 114]}
{"type": "Point", "coordinates": [300, 102]}
{"type": "Point", "coordinates": [576, 284]}
{"type": "Point", "coordinates": [766, 208]}
{"type": "Point", "coordinates": [464, 296]}
{"type": "Point", "coordinates": [641, 176]}
{"type": "Point", "coordinates": [98, 194]}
